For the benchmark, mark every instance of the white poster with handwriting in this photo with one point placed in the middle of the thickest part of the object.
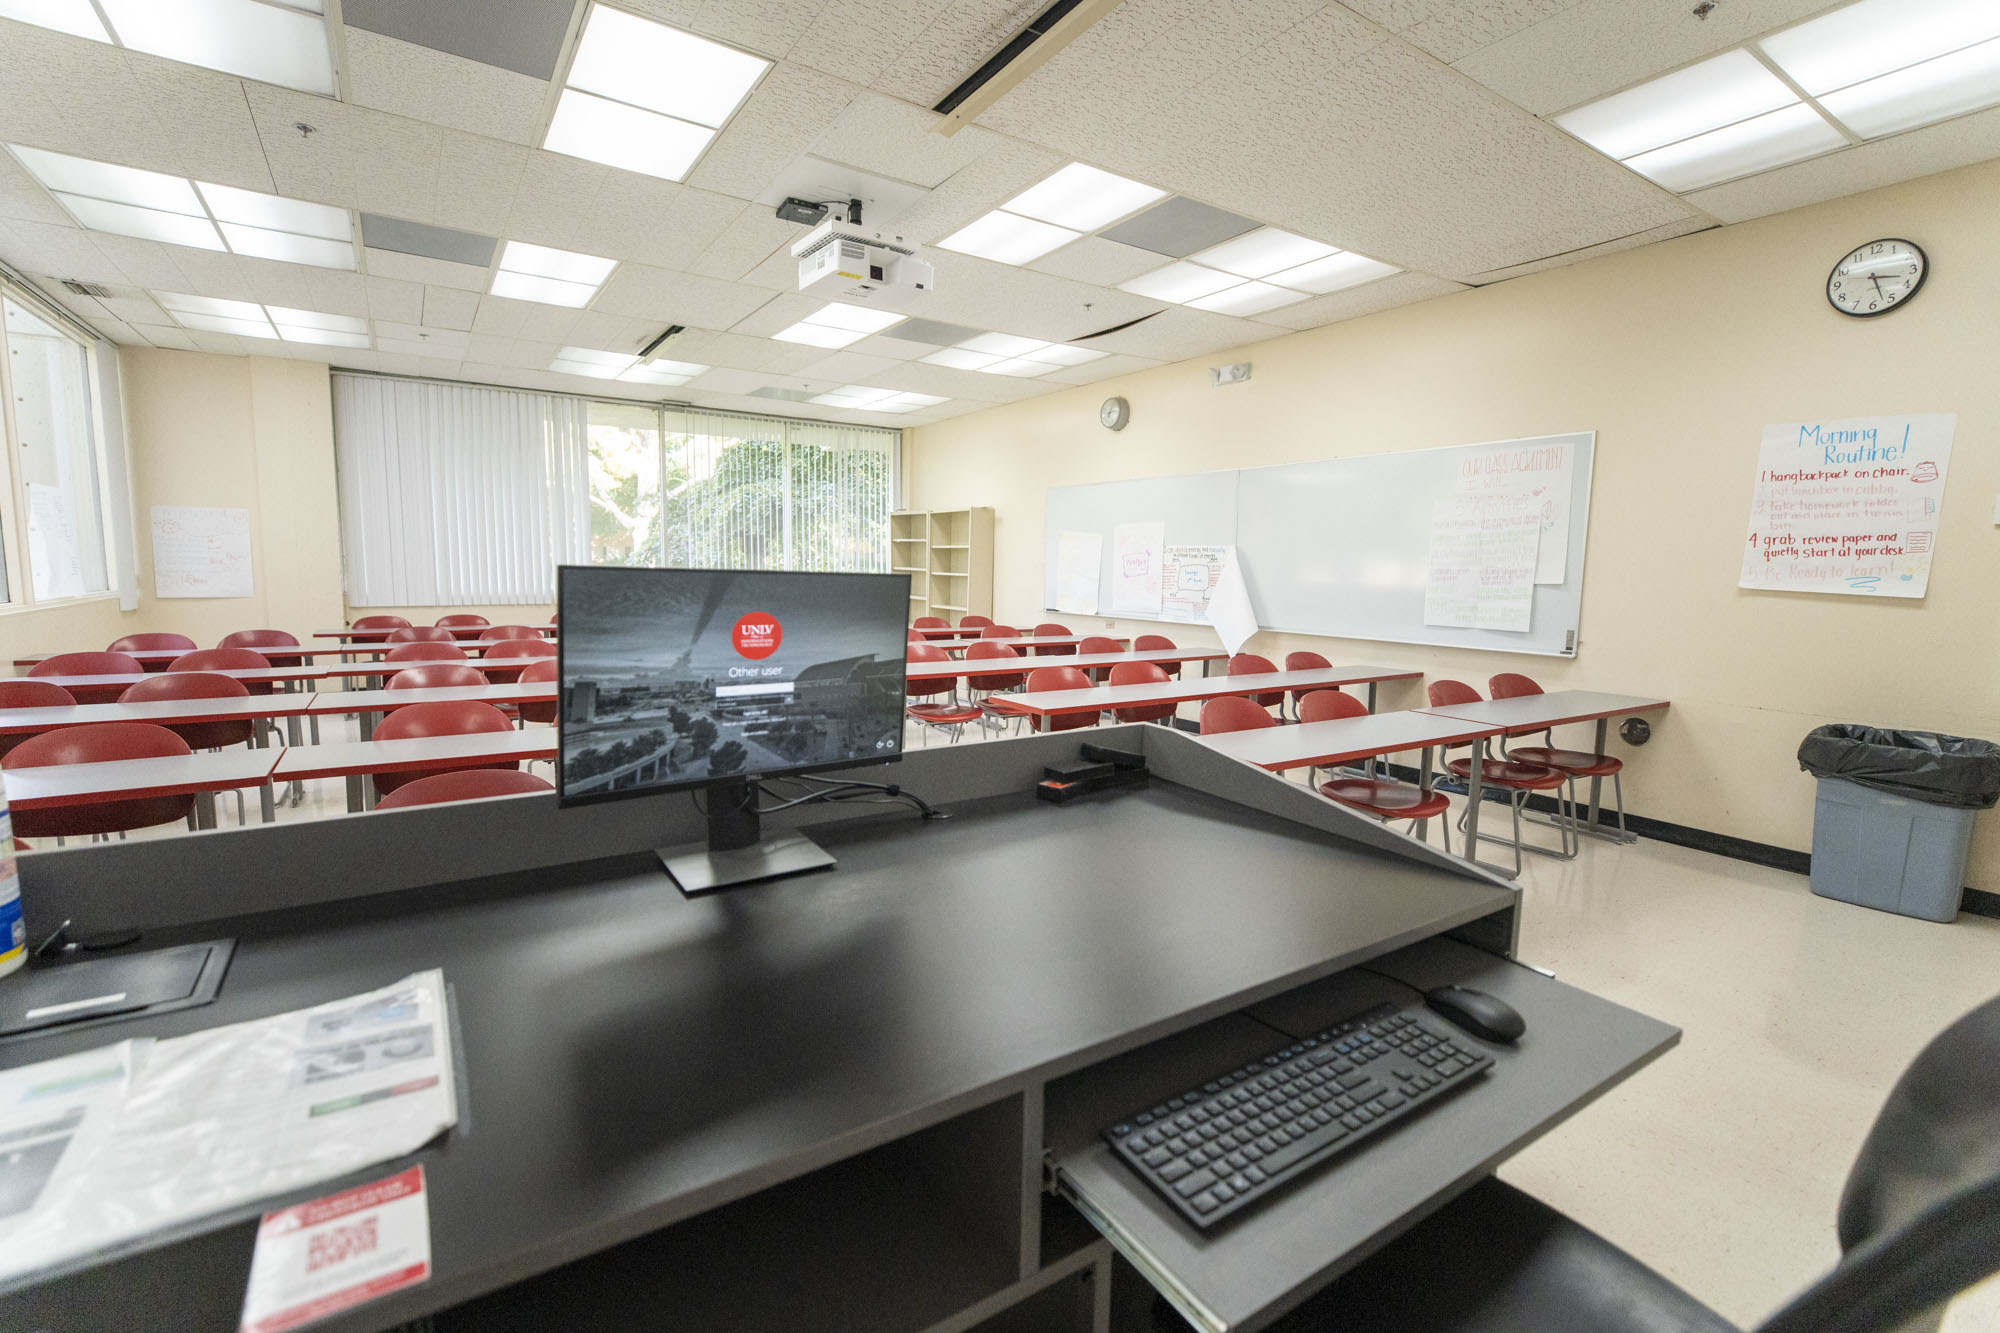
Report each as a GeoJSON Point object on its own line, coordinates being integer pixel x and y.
{"type": "Point", "coordinates": [1192, 573]}
{"type": "Point", "coordinates": [1079, 561]}
{"type": "Point", "coordinates": [1848, 506]}
{"type": "Point", "coordinates": [1482, 563]}
{"type": "Point", "coordinates": [201, 552]}
{"type": "Point", "coordinates": [1541, 473]}
{"type": "Point", "coordinates": [1138, 551]}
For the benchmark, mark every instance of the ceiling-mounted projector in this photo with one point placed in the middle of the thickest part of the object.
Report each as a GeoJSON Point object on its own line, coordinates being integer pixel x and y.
{"type": "Point", "coordinates": [845, 261]}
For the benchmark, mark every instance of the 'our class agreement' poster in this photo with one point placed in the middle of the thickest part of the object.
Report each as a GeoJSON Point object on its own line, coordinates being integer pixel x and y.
{"type": "Point", "coordinates": [1848, 507]}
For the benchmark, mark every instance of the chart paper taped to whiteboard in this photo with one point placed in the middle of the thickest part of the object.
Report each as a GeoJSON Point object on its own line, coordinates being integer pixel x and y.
{"type": "Point", "coordinates": [1079, 560]}
{"type": "Point", "coordinates": [201, 552]}
{"type": "Point", "coordinates": [1138, 550]}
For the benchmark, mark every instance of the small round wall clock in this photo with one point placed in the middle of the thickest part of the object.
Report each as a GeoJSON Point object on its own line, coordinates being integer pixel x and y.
{"type": "Point", "coordinates": [1878, 277]}
{"type": "Point", "coordinates": [1114, 414]}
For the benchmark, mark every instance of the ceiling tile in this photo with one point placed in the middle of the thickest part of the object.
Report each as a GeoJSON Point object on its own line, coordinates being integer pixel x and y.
{"type": "Point", "coordinates": [932, 62]}
{"type": "Point", "coordinates": [768, 27]}
{"type": "Point", "coordinates": [778, 312]}
{"type": "Point", "coordinates": [477, 181]}
{"type": "Point", "coordinates": [893, 138]}
{"type": "Point", "coordinates": [846, 367]}
{"type": "Point", "coordinates": [59, 251]}
{"type": "Point", "coordinates": [1179, 332]}
{"type": "Point", "coordinates": [988, 181]}
{"type": "Point", "coordinates": [1094, 259]}
{"type": "Point", "coordinates": [755, 235]}
{"type": "Point", "coordinates": [21, 196]}
{"type": "Point", "coordinates": [148, 264]}
{"type": "Point", "coordinates": [788, 110]}
{"type": "Point", "coordinates": [1632, 242]}
{"type": "Point", "coordinates": [1396, 290]}
{"type": "Point", "coordinates": [391, 299]}
{"type": "Point", "coordinates": [434, 272]}
{"type": "Point", "coordinates": [525, 36]}
{"type": "Point", "coordinates": [423, 84]}
{"type": "Point", "coordinates": [677, 298]}
{"type": "Point", "coordinates": [858, 39]}
{"type": "Point", "coordinates": [448, 308]}
{"type": "Point", "coordinates": [1449, 29]}
{"type": "Point", "coordinates": [353, 158]}
{"type": "Point", "coordinates": [1599, 46]}
{"type": "Point", "coordinates": [174, 339]}
{"type": "Point", "coordinates": [616, 333]}
{"type": "Point", "coordinates": [1103, 368]}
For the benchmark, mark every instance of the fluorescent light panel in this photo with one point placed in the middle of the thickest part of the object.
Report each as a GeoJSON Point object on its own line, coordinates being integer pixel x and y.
{"type": "Point", "coordinates": [1180, 283]}
{"type": "Point", "coordinates": [251, 320]}
{"type": "Point", "coordinates": [647, 98]}
{"type": "Point", "coordinates": [1011, 354]}
{"type": "Point", "coordinates": [149, 224]}
{"type": "Point", "coordinates": [64, 174]}
{"type": "Point", "coordinates": [865, 398]}
{"type": "Point", "coordinates": [1082, 198]}
{"type": "Point", "coordinates": [75, 17]}
{"type": "Point", "coordinates": [623, 366]}
{"type": "Point", "coordinates": [1732, 87]}
{"type": "Point", "coordinates": [1260, 253]}
{"type": "Point", "coordinates": [1877, 37]}
{"type": "Point", "coordinates": [241, 37]}
{"type": "Point", "coordinates": [1771, 140]}
{"type": "Point", "coordinates": [1006, 238]}
{"type": "Point", "coordinates": [1939, 89]}
{"type": "Point", "coordinates": [272, 213]}
{"type": "Point", "coordinates": [553, 277]}
{"type": "Point", "coordinates": [836, 324]}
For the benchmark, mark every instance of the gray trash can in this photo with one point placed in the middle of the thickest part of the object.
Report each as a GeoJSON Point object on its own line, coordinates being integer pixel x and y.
{"type": "Point", "coordinates": [1892, 824]}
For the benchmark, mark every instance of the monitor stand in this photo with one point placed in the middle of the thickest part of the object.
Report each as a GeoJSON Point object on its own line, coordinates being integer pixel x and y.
{"type": "Point", "coordinates": [735, 853]}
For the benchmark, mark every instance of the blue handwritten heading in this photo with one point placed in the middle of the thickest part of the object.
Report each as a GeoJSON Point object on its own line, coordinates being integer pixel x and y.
{"type": "Point", "coordinates": [1853, 446]}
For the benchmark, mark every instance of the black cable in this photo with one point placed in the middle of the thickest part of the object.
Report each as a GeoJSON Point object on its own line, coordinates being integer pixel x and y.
{"type": "Point", "coordinates": [1406, 985]}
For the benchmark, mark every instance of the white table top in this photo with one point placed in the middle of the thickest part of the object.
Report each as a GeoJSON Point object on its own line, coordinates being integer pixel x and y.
{"type": "Point", "coordinates": [124, 779]}
{"type": "Point", "coordinates": [1105, 697]}
{"type": "Point", "coordinates": [425, 752]}
{"type": "Point", "coordinates": [1340, 740]}
{"type": "Point", "coordinates": [1001, 666]}
{"type": "Point", "coordinates": [374, 701]}
{"type": "Point", "coordinates": [161, 712]}
{"type": "Point", "coordinates": [1538, 712]}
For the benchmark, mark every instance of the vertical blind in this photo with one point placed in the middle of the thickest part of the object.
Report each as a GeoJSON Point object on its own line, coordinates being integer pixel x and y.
{"type": "Point", "coordinates": [454, 494]}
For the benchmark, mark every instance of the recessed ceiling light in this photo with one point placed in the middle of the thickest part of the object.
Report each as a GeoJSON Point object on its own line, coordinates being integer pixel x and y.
{"type": "Point", "coordinates": [549, 291]}
{"type": "Point", "coordinates": [273, 213]}
{"type": "Point", "coordinates": [1936, 90]}
{"type": "Point", "coordinates": [263, 244]}
{"type": "Point", "coordinates": [301, 333]}
{"type": "Point", "coordinates": [645, 64]}
{"type": "Point", "coordinates": [1730, 88]}
{"type": "Point", "coordinates": [1758, 144]}
{"type": "Point", "coordinates": [1003, 344]}
{"type": "Point", "coordinates": [1878, 37]}
{"type": "Point", "coordinates": [959, 358]}
{"type": "Point", "coordinates": [1007, 239]}
{"type": "Point", "coordinates": [1083, 198]}
{"type": "Point", "coordinates": [624, 136]}
{"type": "Point", "coordinates": [616, 360]}
{"type": "Point", "coordinates": [597, 370]}
{"type": "Point", "coordinates": [64, 174]}
{"type": "Point", "coordinates": [818, 335]}
{"type": "Point", "coordinates": [149, 224]}
{"type": "Point", "coordinates": [839, 315]}
{"type": "Point", "coordinates": [241, 37]}
{"type": "Point", "coordinates": [207, 305]}
{"type": "Point", "coordinates": [1179, 282]}
{"type": "Point", "coordinates": [313, 319]}
{"type": "Point", "coordinates": [1019, 366]}
{"type": "Point", "coordinates": [543, 262]}
{"type": "Point", "coordinates": [1062, 354]}
{"type": "Point", "coordinates": [1251, 298]}
{"type": "Point", "coordinates": [1260, 253]}
{"type": "Point", "coordinates": [912, 401]}
{"type": "Point", "coordinates": [1334, 273]}
{"type": "Point", "coordinates": [75, 17]}
{"type": "Point", "coordinates": [854, 395]}
{"type": "Point", "coordinates": [248, 328]}
{"type": "Point", "coordinates": [663, 372]}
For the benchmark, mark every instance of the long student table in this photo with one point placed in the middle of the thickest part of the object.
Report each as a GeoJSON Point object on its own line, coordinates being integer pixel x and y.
{"type": "Point", "coordinates": [990, 666]}
{"type": "Point", "coordinates": [369, 704]}
{"type": "Point", "coordinates": [283, 676]}
{"type": "Point", "coordinates": [1344, 740]}
{"type": "Point", "coordinates": [160, 712]}
{"type": "Point", "coordinates": [357, 761]}
{"type": "Point", "coordinates": [1530, 713]}
{"type": "Point", "coordinates": [201, 775]}
{"type": "Point", "coordinates": [1027, 643]}
{"type": "Point", "coordinates": [826, 1103]}
{"type": "Point", "coordinates": [1104, 698]}
{"type": "Point", "coordinates": [166, 656]}
{"type": "Point", "coordinates": [378, 635]}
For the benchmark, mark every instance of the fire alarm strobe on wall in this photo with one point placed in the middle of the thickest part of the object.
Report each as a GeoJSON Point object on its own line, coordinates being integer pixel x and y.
{"type": "Point", "coordinates": [843, 261]}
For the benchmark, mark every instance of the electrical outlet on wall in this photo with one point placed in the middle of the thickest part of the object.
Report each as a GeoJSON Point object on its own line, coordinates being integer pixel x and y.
{"type": "Point", "coordinates": [1111, 624]}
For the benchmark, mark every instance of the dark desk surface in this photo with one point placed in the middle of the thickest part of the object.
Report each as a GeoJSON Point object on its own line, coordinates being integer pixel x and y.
{"type": "Point", "coordinates": [633, 1058]}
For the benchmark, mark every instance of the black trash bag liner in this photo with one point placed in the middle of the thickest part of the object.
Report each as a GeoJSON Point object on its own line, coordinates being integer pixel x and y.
{"type": "Point", "coordinates": [1922, 765]}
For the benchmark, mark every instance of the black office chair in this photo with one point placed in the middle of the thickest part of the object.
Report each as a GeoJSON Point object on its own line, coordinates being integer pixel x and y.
{"type": "Point", "coordinates": [1919, 1222]}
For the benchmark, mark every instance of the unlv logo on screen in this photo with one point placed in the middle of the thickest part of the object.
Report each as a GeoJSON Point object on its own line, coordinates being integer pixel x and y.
{"type": "Point", "coordinates": [758, 635]}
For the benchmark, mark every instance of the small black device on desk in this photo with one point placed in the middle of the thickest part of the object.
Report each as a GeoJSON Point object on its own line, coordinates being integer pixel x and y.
{"type": "Point", "coordinates": [1098, 768]}
{"type": "Point", "coordinates": [1217, 1148]}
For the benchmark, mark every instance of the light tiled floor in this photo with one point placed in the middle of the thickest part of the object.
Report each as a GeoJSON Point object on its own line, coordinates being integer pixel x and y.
{"type": "Point", "coordinates": [1722, 1163]}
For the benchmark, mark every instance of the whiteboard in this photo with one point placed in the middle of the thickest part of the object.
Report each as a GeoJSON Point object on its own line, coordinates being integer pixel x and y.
{"type": "Point", "coordinates": [1341, 548]}
{"type": "Point", "coordinates": [201, 552]}
{"type": "Point", "coordinates": [1198, 509]}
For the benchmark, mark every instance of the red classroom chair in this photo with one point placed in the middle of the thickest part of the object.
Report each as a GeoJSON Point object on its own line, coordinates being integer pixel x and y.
{"type": "Point", "coordinates": [1233, 712]}
{"type": "Point", "coordinates": [268, 642]}
{"type": "Point", "coordinates": [97, 743]}
{"type": "Point", "coordinates": [197, 685]}
{"type": "Point", "coordinates": [1048, 628]}
{"type": "Point", "coordinates": [90, 664]}
{"type": "Point", "coordinates": [974, 622]}
{"type": "Point", "coordinates": [999, 632]}
{"type": "Point", "coordinates": [380, 622]}
{"type": "Point", "coordinates": [438, 676]}
{"type": "Point", "coordinates": [1141, 673]}
{"type": "Point", "coordinates": [1098, 643]}
{"type": "Point", "coordinates": [465, 621]}
{"type": "Point", "coordinates": [226, 659]}
{"type": "Point", "coordinates": [1303, 661]}
{"type": "Point", "coordinates": [425, 652]}
{"type": "Point", "coordinates": [988, 690]}
{"type": "Point", "coordinates": [538, 710]}
{"type": "Point", "coordinates": [1159, 643]}
{"type": "Point", "coordinates": [1512, 776]}
{"type": "Point", "coordinates": [24, 693]}
{"type": "Point", "coordinates": [505, 659]}
{"type": "Point", "coordinates": [1575, 763]}
{"type": "Point", "coordinates": [465, 784]}
{"type": "Point", "coordinates": [140, 642]}
{"type": "Point", "coordinates": [1249, 664]}
{"type": "Point", "coordinates": [930, 622]}
{"type": "Point", "coordinates": [1380, 798]}
{"type": "Point", "coordinates": [421, 634]}
{"type": "Point", "coordinates": [438, 719]}
{"type": "Point", "coordinates": [951, 715]}
{"type": "Point", "coordinates": [1059, 678]}
{"type": "Point", "coordinates": [495, 632]}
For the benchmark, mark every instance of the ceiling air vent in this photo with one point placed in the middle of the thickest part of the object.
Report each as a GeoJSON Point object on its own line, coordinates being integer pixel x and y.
{"type": "Point", "coordinates": [86, 288]}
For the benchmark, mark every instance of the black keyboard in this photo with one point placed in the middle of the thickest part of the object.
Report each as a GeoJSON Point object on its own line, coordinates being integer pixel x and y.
{"type": "Point", "coordinates": [1216, 1149]}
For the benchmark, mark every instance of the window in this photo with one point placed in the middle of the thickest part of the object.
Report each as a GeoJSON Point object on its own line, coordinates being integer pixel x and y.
{"type": "Point", "coordinates": [55, 476]}
{"type": "Point", "coordinates": [624, 484]}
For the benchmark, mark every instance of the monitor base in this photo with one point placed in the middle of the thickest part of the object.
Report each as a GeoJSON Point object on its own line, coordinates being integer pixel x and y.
{"type": "Point", "coordinates": [696, 869]}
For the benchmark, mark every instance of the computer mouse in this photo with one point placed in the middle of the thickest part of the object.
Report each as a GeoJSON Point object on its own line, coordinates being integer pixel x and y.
{"type": "Point", "coordinates": [1477, 1012]}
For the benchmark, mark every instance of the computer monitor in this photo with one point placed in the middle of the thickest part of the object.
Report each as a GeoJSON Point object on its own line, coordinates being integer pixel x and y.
{"type": "Point", "coordinates": [720, 679]}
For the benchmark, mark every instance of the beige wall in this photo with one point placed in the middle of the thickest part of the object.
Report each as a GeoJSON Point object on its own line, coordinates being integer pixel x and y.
{"type": "Point", "coordinates": [1676, 355]}
{"type": "Point", "coordinates": [238, 432]}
